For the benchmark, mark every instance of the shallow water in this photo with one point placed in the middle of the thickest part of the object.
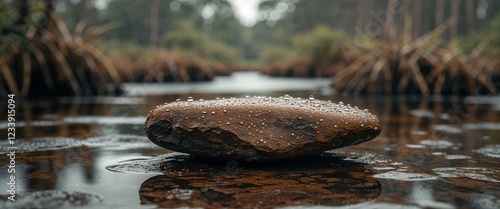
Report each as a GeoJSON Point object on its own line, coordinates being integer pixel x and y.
{"type": "Point", "coordinates": [433, 152]}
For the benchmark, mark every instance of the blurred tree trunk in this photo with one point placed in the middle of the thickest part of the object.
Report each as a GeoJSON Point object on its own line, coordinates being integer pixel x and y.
{"type": "Point", "coordinates": [82, 11]}
{"type": "Point", "coordinates": [455, 9]}
{"type": "Point", "coordinates": [439, 18]}
{"type": "Point", "coordinates": [439, 12]}
{"type": "Point", "coordinates": [417, 17]}
{"type": "Point", "coordinates": [154, 23]}
{"type": "Point", "coordinates": [389, 15]}
{"type": "Point", "coordinates": [360, 19]}
{"type": "Point", "coordinates": [407, 22]}
{"type": "Point", "coordinates": [470, 11]}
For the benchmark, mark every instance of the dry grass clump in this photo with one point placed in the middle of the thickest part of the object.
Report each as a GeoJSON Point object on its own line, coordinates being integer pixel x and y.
{"type": "Point", "coordinates": [166, 66]}
{"type": "Point", "coordinates": [53, 62]}
{"type": "Point", "coordinates": [421, 66]}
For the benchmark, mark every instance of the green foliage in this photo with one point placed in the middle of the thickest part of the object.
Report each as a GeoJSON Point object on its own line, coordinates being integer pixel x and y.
{"type": "Point", "coordinates": [272, 54]}
{"type": "Point", "coordinates": [186, 38]}
{"type": "Point", "coordinates": [318, 42]}
{"type": "Point", "coordinates": [490, 36]}
{"type": "Point", "coordinates": [12, 28]}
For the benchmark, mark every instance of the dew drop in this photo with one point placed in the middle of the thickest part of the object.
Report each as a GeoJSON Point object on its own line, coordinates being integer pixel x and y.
{"type": "Point", "coordinates": [366, 110]}
{"type": "Point", "coordinates": [228, 123]}
{"type": "Point", "coordinates": [178, 100]}
{"type": "Point", "coordinates": [247, 96]}
{"type": "Point", "coordinates": [190, 99]}
{"type": "Point", "coordinates": [167, 110]}
{"type": "Point", "coordinates": [204, 112]}
{"type": "Point", "coordinates": [241, 122]}
{"type": "Point", "coordinates": [201, 100]}
{"type": "Point", "coordinates": [321, 119]}
{"type": "Point", "coordinates": [311, 97]}
{"type": "Point", "coordinates": [341, 103]}
{"type": "Point", "coordinates": [286, 97]}
{"type": "Point", "coordinates": [213, 113]}
{"type": "Point", "coordinates": [224, 110]}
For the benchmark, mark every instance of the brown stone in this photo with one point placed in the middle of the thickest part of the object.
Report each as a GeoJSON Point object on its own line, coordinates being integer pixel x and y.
{"type": "Point", "coordinates": [259, 128]}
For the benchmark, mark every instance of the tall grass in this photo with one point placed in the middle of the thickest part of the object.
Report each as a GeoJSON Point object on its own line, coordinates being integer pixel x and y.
{"type": "Point", "coordinates": [423, 66]}
{"type": "Point", "coordinates": [53, 62]}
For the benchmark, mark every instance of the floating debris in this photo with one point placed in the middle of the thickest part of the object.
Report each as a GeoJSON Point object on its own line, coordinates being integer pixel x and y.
{"type": "Point", "coordinates": [437, 144]}
{"type": "Point", "coordinates": [476, 173]}
{"type": "Point", "coordinates": [490, 150]}
{"type": "Point", "coordinates": [395, 175]}
{"type": "Point", "coordinates": [456, 157]}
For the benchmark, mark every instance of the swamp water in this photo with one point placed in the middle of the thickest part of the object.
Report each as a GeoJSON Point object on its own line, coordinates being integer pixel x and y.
{"type": "Point", "coordinates": [433, 152]}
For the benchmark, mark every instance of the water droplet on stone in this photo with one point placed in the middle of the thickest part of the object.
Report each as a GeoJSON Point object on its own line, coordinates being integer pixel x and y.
{"type": "Point", "coordinates": [178, 100]}
{"type": "Point", "coordinates": [341, 103]}
{"type": "Point", "coordinates": [190, 99]}
{"type": "Point", "coordinates": [247, 96]}
{"type": "Point", "coordinates": [286, 97]}
{"type": "Point", "coordinates": [228, 123]}
{"type": "Point", "coordinates": [311, 97]}
{"type": "Point", "coordinates": [204, 112]}
{"type": "Point", "coordinates": [213, 113]}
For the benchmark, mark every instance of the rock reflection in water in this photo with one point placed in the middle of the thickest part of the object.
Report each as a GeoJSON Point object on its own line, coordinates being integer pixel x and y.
{"type": "Point", "coordinates": [314, 180]}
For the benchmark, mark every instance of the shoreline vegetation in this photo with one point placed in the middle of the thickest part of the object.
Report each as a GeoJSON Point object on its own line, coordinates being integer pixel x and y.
{"type": "Point", "coordinates": [41, 55]}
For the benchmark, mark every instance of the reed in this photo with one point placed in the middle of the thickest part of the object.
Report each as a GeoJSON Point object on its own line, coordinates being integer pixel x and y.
{"type": "Point", "coordinates": [422, 66]}
{"type": "Point", "coordinates": [162, 65]}
{"type": "Point", "coordinates": [54, 62]}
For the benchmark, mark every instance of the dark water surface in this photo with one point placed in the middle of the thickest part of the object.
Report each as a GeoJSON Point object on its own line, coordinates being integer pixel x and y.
{"type": "Point", "coordinates": [433, 152]}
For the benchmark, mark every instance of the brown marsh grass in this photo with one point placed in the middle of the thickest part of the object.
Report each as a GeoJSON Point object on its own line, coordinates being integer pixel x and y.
{"type": "Point", "coordinates": [422, 66]}
{"type": "Point", "coordinates": [56, 62]}
{"type": "Point", "coordinates": [165, 66]}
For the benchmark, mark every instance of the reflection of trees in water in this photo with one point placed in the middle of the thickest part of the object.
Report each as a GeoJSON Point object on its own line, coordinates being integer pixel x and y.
{"type": "Point", "coordinates": [45, 168]}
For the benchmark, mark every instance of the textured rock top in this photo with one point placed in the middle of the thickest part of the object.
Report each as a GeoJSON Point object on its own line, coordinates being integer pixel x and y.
{"type": "Point", "coordinates": [262, 128]}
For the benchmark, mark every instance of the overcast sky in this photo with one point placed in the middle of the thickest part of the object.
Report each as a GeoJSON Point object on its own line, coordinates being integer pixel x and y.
{"type": "Point", "coordinates": [246, 11]}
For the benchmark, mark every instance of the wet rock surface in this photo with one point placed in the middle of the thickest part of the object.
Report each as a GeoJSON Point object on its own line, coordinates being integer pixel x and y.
{"type": "Point", "coordinates": [259, 128]}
